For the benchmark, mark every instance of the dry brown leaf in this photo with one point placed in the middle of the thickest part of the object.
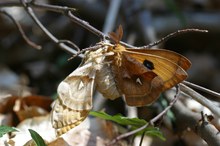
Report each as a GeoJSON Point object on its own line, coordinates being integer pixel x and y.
{"type": "Point", "coordinates": [30, 112]}
{"type": "Point", "coordinates": [24, 107]}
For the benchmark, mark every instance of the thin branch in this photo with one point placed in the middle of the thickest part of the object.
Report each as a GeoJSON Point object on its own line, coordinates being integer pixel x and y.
{"type": "Point", "coordinates": [86, 25]}
{"type": "Point", "coordinates": [201, 99]}
{"type": "Point", "coordinates": [28, 41]}
{"type": "Point", "coordinates": [176, 96]}
{"type": "Point", "coordinates": [70, 43]}
{"type": "Point", "coordinates": [50, 35]}
{"type": "Point", "coordinates": [216, 94]}
{"type": "Point", "coordinates": [151, 122]}
{"type": "Point", "coordinates": [84, 50]}
{"type": "Point", "coordinates": [142, 138]}
{"type": "Point", "coordinates": [170, 36]}
{"type": "Point", "coordinates": [53, 8]}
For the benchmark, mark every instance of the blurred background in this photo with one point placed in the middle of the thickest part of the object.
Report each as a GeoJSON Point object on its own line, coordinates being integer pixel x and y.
{"type": "Point", "coordinates": [23, 68]}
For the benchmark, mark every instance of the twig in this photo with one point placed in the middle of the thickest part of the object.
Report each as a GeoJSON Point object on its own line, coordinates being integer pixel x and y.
{"type": "Point", "coordinates": [151, 122]}
{"type": "Point", "coordinates": [142, 137]}
{"type": "Point", "coordinates": [28, 41]}
{"type": "Point", "coordinates": [53, 8]}
{"type": "Point", "coordinates": [170, 36]}
{"type": "Point", "coordinates": [201, 99]}
{"type": "Point", "coordinates": [51, 36]}
{"type": "Point", "coordinates": [86, 25]}
{"type": "Point", "coordinates": [216, 94]}
{"type": "Point", "coordinates": [84, 50]}
{"type": "Point", "coordinates": [70, 43]}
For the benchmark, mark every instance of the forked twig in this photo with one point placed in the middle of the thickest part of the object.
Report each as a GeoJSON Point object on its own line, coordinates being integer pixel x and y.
{"type": "Point", "coordinates": [170, 36]}
{"type": "Point", "coordinates": [50, 35]}
{"type": "Point", "coordinates": [151, 122]}
{"type": "Point", "coordinates": [28, 41]}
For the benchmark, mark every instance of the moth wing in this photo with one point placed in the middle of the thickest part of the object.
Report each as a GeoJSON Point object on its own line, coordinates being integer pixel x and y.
{"type": "Point", "coordinates": [64, 118]}
{"type": "Point", "coordinates": [170, 72]}
{"type": "Point", "coordinates": [177, 58]}
{"type": "Point", "coordinates": [139, 85]}
{"type": "Point", "coordinates": [76, 90]}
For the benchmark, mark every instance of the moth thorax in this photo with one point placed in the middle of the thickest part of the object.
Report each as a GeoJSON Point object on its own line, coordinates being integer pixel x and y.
{"type": "Point", "coordinates": [106, 83]}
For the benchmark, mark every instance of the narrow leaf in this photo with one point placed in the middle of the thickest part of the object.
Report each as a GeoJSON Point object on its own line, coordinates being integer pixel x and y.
{"type": "Point", "coordinates": [133, 122]}
{"type": "Point", "coordinates": [37, 138]}
{"type": "Point", "coordinates": [119, 119]}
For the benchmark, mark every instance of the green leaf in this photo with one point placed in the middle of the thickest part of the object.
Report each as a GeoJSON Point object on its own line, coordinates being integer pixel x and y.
{"type": "Point", "coordinates": [6, 129]}
{"type": "Point", "coordinates": [37, 138]}
{"type": "Point", "coordinates": [119, 119]}
{"type": "Point", "coordinates": [133, 122]}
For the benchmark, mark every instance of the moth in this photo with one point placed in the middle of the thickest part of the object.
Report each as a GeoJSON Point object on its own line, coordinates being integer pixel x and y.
{"type": "Point", "coordinates": [76, 90]}
{"type": "Point", "coordinates": [140, 75]}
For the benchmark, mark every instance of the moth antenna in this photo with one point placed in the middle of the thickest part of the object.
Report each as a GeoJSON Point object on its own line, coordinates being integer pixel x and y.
{"type": "Point", "coordinates": [170, 36]}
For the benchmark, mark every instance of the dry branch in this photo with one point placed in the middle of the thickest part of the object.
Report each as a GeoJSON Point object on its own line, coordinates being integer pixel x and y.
{"type": "Point", "coordinates": [201, 99]}
{"type": "Point", "coordinates": [186, 118]}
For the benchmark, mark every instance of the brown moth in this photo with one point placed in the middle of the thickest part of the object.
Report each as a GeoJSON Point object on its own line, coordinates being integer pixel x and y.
{"type": "Point", "coordinates": [142, 74]}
